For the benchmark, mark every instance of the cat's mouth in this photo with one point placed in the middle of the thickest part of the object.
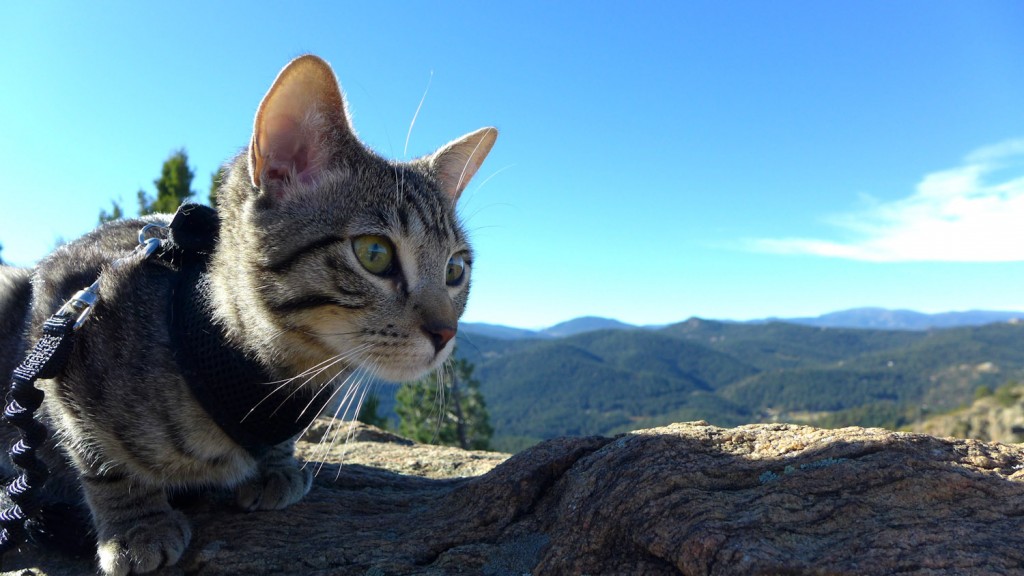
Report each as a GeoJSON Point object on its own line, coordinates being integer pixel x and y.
{"type": "Point", "coordinates": [389, 354]}
{"type": "Point", "coordinates": [376, 346]}
{"type": "Point", "coordinates": [397, 365]}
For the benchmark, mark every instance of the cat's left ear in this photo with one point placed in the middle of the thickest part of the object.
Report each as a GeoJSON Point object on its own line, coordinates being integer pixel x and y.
{"type": "Point", "coordinates": [298, 121]}
{"type": "Point", "coordinates": [455, 163]}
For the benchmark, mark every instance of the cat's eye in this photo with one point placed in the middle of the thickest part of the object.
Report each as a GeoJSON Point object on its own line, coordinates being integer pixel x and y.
{"type": "Point", "coordinates": [375, 253]}
{"type": "Point", "coordinates": [455, 271]}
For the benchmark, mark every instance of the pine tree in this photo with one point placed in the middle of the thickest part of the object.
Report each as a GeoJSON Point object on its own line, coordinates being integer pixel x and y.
{"type": "Point", "coordinates": [115, 213]}
{"type": "Point", "coordinates": [450, 411]}
{"type": "Point", "coordinates": [172, 188]}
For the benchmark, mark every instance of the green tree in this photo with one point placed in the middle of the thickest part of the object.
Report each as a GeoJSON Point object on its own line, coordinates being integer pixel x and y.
{"type": "Point", "coordinates": [369, 413]}
{"type": "Point", "coordinates": [115, 213]}
{"type": "Point", "coordinates": [172, 188]}
{"type": "Point", "coordinates": [445, 408]}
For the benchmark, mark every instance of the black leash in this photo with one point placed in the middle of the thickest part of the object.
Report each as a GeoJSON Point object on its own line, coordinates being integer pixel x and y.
{"type": "Point", "coordinates": [25, 519]}
{"type": "Point", "coordinates": [45, 361]}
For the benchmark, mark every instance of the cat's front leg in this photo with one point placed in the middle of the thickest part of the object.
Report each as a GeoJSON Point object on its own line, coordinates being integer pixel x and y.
{"type": "Point", "coordinates": [137, 529]}
{"type": "Point", "coordinates": [279, 481]}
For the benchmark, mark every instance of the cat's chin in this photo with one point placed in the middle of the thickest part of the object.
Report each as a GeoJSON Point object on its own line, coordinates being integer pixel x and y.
{"type": "Point", "coordinates": [398, 375]}
{"type": "Point", "coordinates": [409, 370]}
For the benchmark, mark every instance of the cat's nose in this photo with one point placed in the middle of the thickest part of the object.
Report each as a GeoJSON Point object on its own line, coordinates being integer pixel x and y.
{"type": "Point", "coordinates": [439, 334]}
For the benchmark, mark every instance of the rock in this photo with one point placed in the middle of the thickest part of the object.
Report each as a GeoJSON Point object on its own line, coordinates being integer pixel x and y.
{"type": "Point", "coordinates": [994, 418]}
{"type": "Point", "coordinates": [683, 499]}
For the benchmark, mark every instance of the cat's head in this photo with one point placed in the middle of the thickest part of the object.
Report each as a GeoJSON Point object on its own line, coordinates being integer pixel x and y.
{"type": "Point", "coordinates": [345, 255]}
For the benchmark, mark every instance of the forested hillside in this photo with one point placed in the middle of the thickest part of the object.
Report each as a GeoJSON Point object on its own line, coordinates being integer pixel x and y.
{"type": "Point", "coordinates": [613, 380]}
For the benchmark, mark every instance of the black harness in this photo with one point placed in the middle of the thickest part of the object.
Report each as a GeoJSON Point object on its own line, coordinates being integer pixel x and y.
{"type": "Point", "coordinates": [246, 401]}
{"type": "Point", "coordinates": [241, 396]}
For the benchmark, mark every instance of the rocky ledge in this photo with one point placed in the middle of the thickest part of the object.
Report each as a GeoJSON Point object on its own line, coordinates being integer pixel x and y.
{"type": "Point", "coordinates": [683, 499]}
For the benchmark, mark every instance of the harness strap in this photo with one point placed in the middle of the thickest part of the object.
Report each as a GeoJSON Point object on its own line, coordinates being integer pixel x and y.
{"type": "Point", "coordinates": [246, 400]}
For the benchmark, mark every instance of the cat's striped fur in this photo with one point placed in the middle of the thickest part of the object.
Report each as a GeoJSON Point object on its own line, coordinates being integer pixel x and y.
{"type": "Point", "coordinates": [288, 287]}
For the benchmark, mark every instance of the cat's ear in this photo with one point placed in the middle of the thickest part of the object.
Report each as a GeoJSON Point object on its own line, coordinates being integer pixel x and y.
{"type": "Point", "coordinates": [455, 163]}
{"type": "Point", "coordinates": [296, 124]}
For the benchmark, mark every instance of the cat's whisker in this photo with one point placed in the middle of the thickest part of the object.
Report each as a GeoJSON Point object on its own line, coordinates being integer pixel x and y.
{"type": "Point", "coordinates": [440, 376]}
{"type": "Point", "coordinates": [336, 360]}
{"type": "Point", "coordinates": [468, 339]}
{"type": "Point", "coordinates": [283, 383]}
{"type": "Point", "coordinates": [470, 194]}
{"type": "Point", "coordinates": [366, 386]}
{"type": "Point", "coordinates": [334, 393]}
{"type": "Point", "coordinates": [344, 388]}
{"type": "Point", "coordinates": [310, 374]}
{"type": "Point", "coordinates": [303, 373]}
{"type": "Point", "coordinates": [399, 182]}
{"type": "Point", "coordinates": [400, 178]}
{"type": "Point", "coordinates": [309, 370]}
{"type": "Point", "coordinates": [353, 391]}
{"type": "Point", "coordinates": [479, 228]}
{"type": "Point", "coordinates": [326, 385]}
{"type": "Point", "coordinates": [405, 150]}
{"type": "Point", "coordinates": [320, 453]}
{"type": "Point", "coordinates": [355, 401]}
{"type": "Point", "coordinates": [345, 403]}
{"type": "Point", "coordinates": [466, 218]}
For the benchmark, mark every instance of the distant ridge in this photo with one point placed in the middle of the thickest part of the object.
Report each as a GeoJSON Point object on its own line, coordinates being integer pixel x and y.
{"type": "Point", "coordinates": [884, 319]}
{"type": "Point", "coordinates": [861, 318]}
{"type": "Point", "coordinates": [572, 327]}
{"type": "Point", "coordinates": [583, 325]}
{"type": "Point", "coordinates": [498, 331]}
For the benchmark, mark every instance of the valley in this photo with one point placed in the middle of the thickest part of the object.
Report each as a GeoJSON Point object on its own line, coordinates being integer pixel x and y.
{"type": "Point", "coordinates": [623, 378]}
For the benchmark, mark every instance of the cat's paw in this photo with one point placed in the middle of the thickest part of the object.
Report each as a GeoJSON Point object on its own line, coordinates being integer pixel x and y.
{"type": "Point", "coordinates": [145, 546]}
{"type": "Point", "coordinates": [274, 488]}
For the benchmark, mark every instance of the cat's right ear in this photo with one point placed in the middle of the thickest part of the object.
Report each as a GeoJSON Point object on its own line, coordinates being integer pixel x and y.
{"type": "Point", "coordinates": [296, 125]}
{"type": "Point", "coordinates": [457, 161]}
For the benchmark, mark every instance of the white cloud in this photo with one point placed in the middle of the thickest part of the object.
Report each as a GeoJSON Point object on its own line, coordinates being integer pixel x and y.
{"type": "Point", "coordinates": [972, 213]}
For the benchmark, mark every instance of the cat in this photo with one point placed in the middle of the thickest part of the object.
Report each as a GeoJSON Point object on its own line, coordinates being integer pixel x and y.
{"type": "Point", "coordinates": [329, 260]}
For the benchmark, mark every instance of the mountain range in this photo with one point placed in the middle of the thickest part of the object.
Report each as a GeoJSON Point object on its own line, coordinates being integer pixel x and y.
{"type": "Point", "coordinates": [567, 328]}
{"type": "Point", "coordinates": [880, 318]}
{"type": "Point", "coordinates": [595, 376]}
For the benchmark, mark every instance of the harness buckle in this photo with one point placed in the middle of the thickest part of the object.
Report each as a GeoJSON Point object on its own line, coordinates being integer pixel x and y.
{"type": "Point", "coordinates": [85, 299]}
{"type": "Point", "coordinates": [149, 245]}
{"type": "Point", "coordinates": [82, 304]}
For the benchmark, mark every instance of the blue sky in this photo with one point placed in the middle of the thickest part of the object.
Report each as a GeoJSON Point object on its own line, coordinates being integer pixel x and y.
{"type": "Point", "coordinates": [657, 160]}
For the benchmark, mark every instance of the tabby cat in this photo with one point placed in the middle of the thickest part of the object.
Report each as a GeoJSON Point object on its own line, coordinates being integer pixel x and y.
{"type": "Point", "coordinates": [329, 260]}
